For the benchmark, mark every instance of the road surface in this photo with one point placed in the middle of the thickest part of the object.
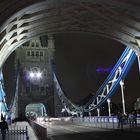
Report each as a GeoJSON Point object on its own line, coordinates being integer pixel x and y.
{"type": "Point", "coordinates": [60, 131]}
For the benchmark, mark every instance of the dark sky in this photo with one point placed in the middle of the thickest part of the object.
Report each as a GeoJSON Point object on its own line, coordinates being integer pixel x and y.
{"type": "Point", "coordinates": [77, 57]}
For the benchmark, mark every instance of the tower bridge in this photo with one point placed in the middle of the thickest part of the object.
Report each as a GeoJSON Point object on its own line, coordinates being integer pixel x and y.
{"type": "Point", "coordinates": [37, 81]}
{"type": "Point", "coordinates": [29, 27]}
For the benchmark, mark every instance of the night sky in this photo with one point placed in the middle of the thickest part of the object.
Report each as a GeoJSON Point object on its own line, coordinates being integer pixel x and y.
{"type": "Point", "coordinates": [78, 56]}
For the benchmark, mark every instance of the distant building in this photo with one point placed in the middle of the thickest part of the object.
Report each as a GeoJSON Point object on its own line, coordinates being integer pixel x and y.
{"type": "Point", "coordinates": [137, 104]}
{"type": "Point", "coordinates": [36, 81]}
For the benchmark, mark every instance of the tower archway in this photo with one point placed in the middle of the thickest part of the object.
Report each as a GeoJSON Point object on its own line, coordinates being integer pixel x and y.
{"type": "Point", "coordinates": [119, 22]}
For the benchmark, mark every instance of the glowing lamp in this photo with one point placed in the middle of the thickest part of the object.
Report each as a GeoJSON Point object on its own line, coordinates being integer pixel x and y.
{"type": "Point", "coordinates": [32, 75]}
{"type": "Point", "coordinates": [38, 74]}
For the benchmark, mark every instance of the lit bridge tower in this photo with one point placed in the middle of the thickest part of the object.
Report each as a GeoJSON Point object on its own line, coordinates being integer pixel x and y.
{"type": "Point", "coordinates": [36, 82]}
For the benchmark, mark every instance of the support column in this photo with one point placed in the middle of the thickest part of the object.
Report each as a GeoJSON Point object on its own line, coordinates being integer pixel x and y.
{"type": "Point", "coordinates": [51, 48]}
{"type": "Point", "coordinates": [122, 92]}
{"type": "Point", "coordinates": [55, 100]}
{"type": "Point", "coordinates": [42, 112]}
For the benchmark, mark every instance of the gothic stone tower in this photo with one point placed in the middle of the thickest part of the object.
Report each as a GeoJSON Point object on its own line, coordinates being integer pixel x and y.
{"type": "Point", "coordinates": [36, 83]}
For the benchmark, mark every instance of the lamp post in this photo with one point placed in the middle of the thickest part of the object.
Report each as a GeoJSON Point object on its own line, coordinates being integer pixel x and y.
{"type": "Point", "coordinates": [89, 113]}
{"type": "Point", "coordinates": [98, 111]}
{"type": "Point", "coordinates": [122, 91]}
{"type": "Point", "coordinates": [108, 102]}
{"type": "Point", "coordinates": [109, 110]}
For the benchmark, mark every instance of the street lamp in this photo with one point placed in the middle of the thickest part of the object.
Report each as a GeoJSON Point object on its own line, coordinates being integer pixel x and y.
{"type": "Point", "coordinates": [122, 91]}
{"type": "Point", "coordinates": [109, 110]}
{"type": "Point", "coordinates": [98, 112]}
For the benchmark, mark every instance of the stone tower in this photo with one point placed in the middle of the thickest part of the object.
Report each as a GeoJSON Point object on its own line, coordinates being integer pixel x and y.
{"type": "Point", "coordinates": [36, 82]}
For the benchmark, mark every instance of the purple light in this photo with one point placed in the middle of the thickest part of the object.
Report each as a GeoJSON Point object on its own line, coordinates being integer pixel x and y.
{"type": "Point", "coordinates": [104, 70]}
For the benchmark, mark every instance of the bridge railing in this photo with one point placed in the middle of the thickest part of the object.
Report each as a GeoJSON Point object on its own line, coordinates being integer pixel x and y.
{"type": "Point", "coordinates": [101, 121]}
{"type": "Point", "coordinates": [16, 133]}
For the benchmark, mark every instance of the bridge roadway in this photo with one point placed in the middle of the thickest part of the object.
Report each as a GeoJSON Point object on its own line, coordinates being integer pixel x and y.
{"type": "Point", "coordinates": [62, 130]}
{"type": "Point", "coordinates": [69, 131]}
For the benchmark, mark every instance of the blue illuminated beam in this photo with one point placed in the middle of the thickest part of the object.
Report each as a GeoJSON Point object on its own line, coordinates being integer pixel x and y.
{"type": "Point", "coordinates": [3, 105]}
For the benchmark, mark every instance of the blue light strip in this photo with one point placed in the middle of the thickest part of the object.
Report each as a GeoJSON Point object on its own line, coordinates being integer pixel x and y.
{"type": "Point", "coordinates": [2, 94]}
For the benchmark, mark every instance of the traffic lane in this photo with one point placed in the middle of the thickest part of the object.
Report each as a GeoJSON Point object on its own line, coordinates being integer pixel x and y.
{"type": "Point", "coordinates": [74, 132]}
{"type": "Point", "coordinates": [99, 135]}
{"type": "Point", "coordinates": [53, 129]}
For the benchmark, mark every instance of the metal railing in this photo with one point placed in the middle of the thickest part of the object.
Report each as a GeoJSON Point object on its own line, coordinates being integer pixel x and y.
{"type": "Point", "coordinates": [102, 121]}
{"type": "Point", "coordinates": [16, 133]}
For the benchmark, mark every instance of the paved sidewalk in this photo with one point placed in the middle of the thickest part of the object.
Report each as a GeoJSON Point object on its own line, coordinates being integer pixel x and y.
{"type": "Point", "coordinates": [31, 133]}
{"type": "Point", "coordinates": [20, 126]}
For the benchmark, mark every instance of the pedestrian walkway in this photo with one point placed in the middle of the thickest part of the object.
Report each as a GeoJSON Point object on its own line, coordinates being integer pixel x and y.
{"type": "Point", "coordinates": [135, 129]}
{"type": "Point", "coordinates": [31, 132]}
{"type": "Point", "coordinates": [16, 130]}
